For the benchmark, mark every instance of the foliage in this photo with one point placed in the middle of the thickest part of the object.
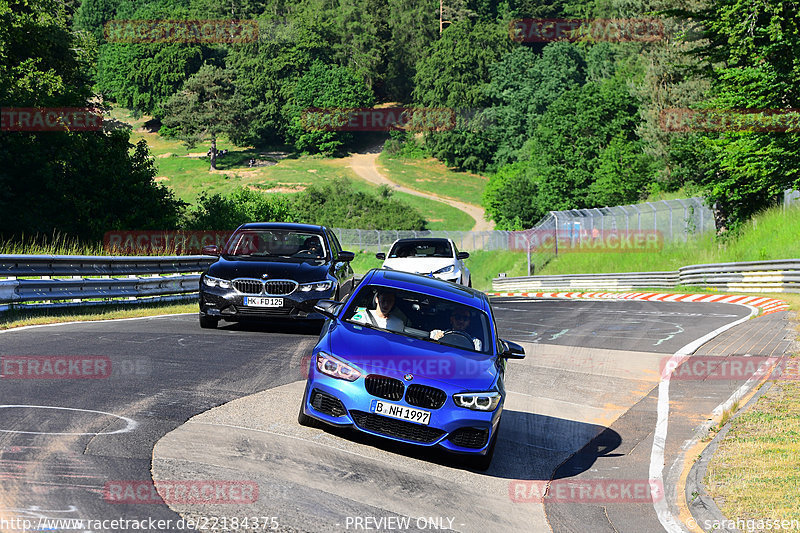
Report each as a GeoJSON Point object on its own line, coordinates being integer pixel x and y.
{"type": "Point", "coordinates": [325, 87]}
{"type": "Point", "coordinates": [206, 107]}
{"type": "Point", "coordinates": [79, 184]}
{"type": "Point", "coordinates": [337, 204]}
{"type": "Point", "coordinates": [220, 212]}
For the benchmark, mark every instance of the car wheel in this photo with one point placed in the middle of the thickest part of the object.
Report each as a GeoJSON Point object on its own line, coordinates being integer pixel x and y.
{"type": "Point", "coordinates": [206, 322]}
{"type": "Point", "coordinates": [483, 462]}
{"type": "Point", "coordinates": [305, 420]}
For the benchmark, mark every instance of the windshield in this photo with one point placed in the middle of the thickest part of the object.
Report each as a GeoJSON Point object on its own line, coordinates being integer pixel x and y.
{"type": "Point", "coordinates": [439, 248]}
{"type": "Point", "coordinates": [421, 316]}
{"type": "Point", "coordinates": [275, 243]}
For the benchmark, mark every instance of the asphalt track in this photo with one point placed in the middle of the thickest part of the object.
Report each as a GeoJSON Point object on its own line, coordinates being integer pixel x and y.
{"type": "Point", "coordinates": [580, 406]}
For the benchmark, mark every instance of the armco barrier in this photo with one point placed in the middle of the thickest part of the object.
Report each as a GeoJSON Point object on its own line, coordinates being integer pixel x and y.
{"type": "Point", "coordinates": [60, 281]}
{"type": "Point", "coordinates": [623, 282]}
{"type": "Point", "coordinates": [753, 276]}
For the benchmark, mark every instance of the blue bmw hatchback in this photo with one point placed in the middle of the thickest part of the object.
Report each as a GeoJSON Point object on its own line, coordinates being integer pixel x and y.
{"type": "Point", "coordinates": [412, 359]}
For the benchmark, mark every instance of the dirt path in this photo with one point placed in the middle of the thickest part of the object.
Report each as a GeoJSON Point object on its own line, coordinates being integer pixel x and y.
{"type": "Point", "coordinates": [364, 165]}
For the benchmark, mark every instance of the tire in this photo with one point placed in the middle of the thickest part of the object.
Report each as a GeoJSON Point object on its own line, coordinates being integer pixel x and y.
{"type": "Point", "coordinates": [483, 462]}
{"type": "Point", "coordinates": [206, 322]}
{"type": "Point", "coordinates": [305, 420]}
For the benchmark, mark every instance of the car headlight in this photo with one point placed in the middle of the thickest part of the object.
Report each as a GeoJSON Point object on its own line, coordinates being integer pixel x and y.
{"type": "Point", "coordinates": [478, 401]}
{"type": "Point", "coordinates": [217, 282]}
{"type": "Point", "coordinates": [336, 368]}
{"type": "Point", "coordinates": [444, 270]}
{"type": "Point", "coordinates": [316, 286]}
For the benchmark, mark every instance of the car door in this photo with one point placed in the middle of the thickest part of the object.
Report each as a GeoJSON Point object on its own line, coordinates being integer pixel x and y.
{"type": "Point", "coordinates": [342, 270]}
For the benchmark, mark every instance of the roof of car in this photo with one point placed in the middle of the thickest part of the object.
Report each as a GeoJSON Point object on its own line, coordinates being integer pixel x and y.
{"type": "Point", "coordinates": [422, 240]}
{"type": "Point", "coordinates": [282, 225]}
{"type": "Point", "coordinates": [429, 285]}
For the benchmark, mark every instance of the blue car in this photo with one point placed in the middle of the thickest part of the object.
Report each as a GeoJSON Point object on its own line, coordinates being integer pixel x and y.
{"type": "Point", "coordinates": [413, 359]}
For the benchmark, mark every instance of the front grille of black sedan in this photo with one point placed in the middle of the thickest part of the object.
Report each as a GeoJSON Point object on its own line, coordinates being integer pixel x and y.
{"type": "Point", "coordinates": [249, 286]}
{"type": "Point", "coordinates": [273, 287]}
{"type": "Point", "coordinates": [396, 428]}
{"type": "Point", "coordinates": [262, 311]}
{"type": "Point", "coordinates": [425, 397]}
{"type": "Point", "coordinates": [469, 437]}
{"type": "Point", "coordinates": [384, 387]}
{"type": "Point", "coordinates": [325, 403]}
{"type": "Point", "coordinates": [279, 287]}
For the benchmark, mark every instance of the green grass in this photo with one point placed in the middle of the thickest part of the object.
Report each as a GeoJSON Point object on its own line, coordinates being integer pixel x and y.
{"type": "Point", "coordinates": [283, 172]}
{"type": "Point", "coordinates": [432, 176]}
{"type": "Point", "coordinates": [771, 235]}
{"type": "Point", "coordinates": [754, 472]}
{"type": "Point", "coordinates": [28, 317]}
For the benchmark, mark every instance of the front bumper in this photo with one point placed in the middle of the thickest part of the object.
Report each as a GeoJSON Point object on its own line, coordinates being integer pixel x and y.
{"type": "Point", "coordinates": [228, 304]}
{"type": "Point", "coordinates": [450, 427]}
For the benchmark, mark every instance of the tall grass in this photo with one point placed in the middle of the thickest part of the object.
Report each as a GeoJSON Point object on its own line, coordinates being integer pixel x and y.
{"type": "Point", "coordinates": [773, 234]}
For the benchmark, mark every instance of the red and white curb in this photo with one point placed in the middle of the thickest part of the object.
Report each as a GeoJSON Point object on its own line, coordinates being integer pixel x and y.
{"type": "Point", "coordinates": [765, 305]}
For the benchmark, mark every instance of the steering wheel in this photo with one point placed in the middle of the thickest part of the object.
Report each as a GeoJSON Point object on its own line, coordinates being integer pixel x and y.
{"type": "Point", "coordinates": [459, 338]}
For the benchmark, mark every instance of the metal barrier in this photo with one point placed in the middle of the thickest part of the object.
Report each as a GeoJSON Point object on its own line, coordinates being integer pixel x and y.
{"type": "Point", "coordinates": [752, 276]}
{"type": "Point", "coordinates": [65, 280]}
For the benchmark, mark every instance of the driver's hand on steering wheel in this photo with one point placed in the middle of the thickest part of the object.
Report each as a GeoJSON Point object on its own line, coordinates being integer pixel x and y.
{"type": "Point", "coordinates": [437, 334]}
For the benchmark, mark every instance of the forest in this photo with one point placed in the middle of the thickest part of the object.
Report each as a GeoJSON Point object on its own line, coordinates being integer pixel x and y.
{"type": "Point", "coordinates": [555, 123]}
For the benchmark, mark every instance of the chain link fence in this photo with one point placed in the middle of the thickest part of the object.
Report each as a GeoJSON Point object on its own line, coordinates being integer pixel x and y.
{"type": "Point", "coordinates": [672, 219]}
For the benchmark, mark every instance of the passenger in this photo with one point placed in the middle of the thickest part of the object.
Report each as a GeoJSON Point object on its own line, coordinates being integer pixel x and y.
{"type": "Point", "coordinates": [385, 315]}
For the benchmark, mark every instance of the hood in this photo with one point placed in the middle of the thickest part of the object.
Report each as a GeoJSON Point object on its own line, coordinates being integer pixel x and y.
{"type": "Point", "coordinates": [300, 271]}
{"type": "Point", "coordinates": [394, 355]}
{"type": "Point", "coordinates": [418, 265]}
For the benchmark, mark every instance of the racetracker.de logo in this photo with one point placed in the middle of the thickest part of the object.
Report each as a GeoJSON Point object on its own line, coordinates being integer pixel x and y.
{"type": "Point", "coordinates": [181, 31]}
{"type": "Point", "coordinates": [734, 367]}
{"type": "Point", "coordinates": [55, 367]}
{"type": "Point", "coordinates": [681, 120]}
{"type": "Point", "coordinates": [38, 119]}
{"type": "Point", "coordinates": [163, 241]}
{"type": "Point", "coordinates": [591, 491]}
{"type": "Point", "coordinates": [181, 492]}
{"type": "Point", "coordinates": [587, 240]}
{"type": "Point", "coordinates": [611, 30]}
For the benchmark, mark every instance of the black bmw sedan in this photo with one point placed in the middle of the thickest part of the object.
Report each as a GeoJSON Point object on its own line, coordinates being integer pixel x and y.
{"type": "Point", "coordinates": [266, 270]}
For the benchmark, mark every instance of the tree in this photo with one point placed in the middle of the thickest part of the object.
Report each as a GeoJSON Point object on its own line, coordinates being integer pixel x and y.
{"type": "Point", "coordinates": [80, 184]}
{"type": "Point", "coordinates": [327, 87]}
{"type": "Point", "coordinates": [92, 15]}
{"type": "Point", "coordinates": [751, 57]}
{"type": "Point", "coordinates": [205, 108]}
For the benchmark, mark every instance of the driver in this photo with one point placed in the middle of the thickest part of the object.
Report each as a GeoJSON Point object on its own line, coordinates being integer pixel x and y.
{"type": "Point", "coordinates": [311, 246]}
{"type": "Point", "coordinates": [459, 321]}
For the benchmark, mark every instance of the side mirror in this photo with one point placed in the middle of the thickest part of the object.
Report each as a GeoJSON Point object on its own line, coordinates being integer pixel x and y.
{"type": "Point", "coordinates": [380, 255]}
{"type": "Point", "coordinates": [462, 255]}
{"type": "Point", "coordinates": [346, 256]}
{"type": "Point", "coordinates": [512, 350]}
{"type": "Point", "coordinates": [328, 308]}
{"type": "Point", "coordinates": [211, 249]}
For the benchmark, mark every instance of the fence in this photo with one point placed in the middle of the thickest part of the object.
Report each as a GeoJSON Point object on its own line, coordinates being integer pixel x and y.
{"type": "Point", "coordinates": [674, 219]}
{"type": "Point", "coordinates": [62, 281]}
{"type": "Point", "coordinates": [752, 276]}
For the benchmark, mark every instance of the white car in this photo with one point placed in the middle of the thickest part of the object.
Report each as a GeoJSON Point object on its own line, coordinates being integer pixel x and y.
{"type": "Point", "coordinates": [438, 258]}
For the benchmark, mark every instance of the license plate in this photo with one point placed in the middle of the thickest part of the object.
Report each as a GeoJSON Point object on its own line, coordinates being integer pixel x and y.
{"type": "Point", "coordinates": [401, 412]}
{"type": "Point", "coordinates": [260, 301]}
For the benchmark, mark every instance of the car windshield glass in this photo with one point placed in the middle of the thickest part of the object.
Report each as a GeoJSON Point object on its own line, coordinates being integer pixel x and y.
{"type": "Point", "coordinates": [420, 315]}
{"type": "Point", "coordinates": [275, 243]}
{"type": "Point", "coordinates": [421, 249]}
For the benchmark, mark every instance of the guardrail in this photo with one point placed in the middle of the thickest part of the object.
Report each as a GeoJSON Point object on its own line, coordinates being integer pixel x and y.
{"type": "Point", "coordinates": [752, 276]}
{"type": "Point", "coordinates": [68, 280]}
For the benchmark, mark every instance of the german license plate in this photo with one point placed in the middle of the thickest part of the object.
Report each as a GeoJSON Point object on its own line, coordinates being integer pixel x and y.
{"type": "Point", "coordinates": [401, 412]}
{"type": "Point", "coordinates": [261, 301]}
